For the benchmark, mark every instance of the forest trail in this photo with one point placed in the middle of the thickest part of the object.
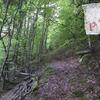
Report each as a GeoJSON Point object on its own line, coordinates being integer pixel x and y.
{"type": "Point", "coordinates": [70, 81]}
{"type": "Point", "coordinates": [58, 85]}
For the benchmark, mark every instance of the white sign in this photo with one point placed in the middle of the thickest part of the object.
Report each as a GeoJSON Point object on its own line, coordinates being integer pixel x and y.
{"type": "Point", "coordinates": [92, 18]}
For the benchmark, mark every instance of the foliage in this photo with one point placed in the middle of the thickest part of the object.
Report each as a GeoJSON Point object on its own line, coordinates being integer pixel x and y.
{"type": "Point", "coordinates": [78, 93]}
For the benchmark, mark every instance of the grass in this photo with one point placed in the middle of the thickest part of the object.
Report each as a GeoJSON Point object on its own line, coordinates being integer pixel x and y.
{"type": "Point", "coordinates": [78, 93]}
{"type": "Point", "coordinates": [47, 71]}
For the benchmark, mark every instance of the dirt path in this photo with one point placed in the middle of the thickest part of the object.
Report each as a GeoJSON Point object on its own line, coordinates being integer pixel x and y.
{"type": "Point", "coordinates": [58, 86]}
{"type": "Point", "coordinates": [68, 82]}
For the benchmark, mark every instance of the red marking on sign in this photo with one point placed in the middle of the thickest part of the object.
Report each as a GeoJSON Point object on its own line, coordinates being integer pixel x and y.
{"type": "Point", "coordinates": [92, 25]}
{"type": "Point", "coordinates": [99, 20]}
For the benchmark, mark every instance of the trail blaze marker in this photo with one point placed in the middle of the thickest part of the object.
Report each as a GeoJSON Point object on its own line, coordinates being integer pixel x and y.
{"type": "Point", "coordinates": [92, 18]}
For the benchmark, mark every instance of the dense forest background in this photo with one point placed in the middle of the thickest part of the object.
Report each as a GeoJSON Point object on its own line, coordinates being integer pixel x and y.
{"type": "Point", "coordinates": [32, 28]}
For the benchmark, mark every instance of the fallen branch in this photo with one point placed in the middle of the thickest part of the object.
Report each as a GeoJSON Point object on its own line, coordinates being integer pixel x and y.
{"type": "Point", "coordinates": [83, 52]}
{"type": "Point", "coordinates": [22, 89]}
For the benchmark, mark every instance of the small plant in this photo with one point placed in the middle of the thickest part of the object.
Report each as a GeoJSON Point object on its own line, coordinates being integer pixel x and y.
{"type": "Point", "coordinates": [85, 98]}
{"type": "Point", "coordinates": [47, 71]}
{"type": "Point", "coordinates": [78, 93]}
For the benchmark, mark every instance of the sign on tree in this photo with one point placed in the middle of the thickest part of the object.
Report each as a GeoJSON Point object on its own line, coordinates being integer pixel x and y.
{"type": "Point", "coordinates": [92, 18]}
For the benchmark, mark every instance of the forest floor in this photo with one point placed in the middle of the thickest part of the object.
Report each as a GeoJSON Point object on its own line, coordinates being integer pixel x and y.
{"type": "Point", "coordinates": [68, 80]}
{"type": "Point", "coordinates": [59, 85]}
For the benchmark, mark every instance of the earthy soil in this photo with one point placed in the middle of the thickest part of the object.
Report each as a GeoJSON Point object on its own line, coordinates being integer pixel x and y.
{"type": "Point", "coordinates": [57, 86]}
{"type": "Point", "coordinates": [70, 81]}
